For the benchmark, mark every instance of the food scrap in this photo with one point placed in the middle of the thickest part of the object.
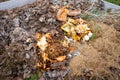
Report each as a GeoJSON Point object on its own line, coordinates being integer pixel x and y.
{"type": "Point", "coordinates": [64, 11]}
{"type": "Point", "coordinates": [42, 43]}
{"type": "Point", "coordinates": [78, 29]}
{"type": "Point", "coordinates": [62, 14]}
{"type": "Point", "coordinates": [51, 51]}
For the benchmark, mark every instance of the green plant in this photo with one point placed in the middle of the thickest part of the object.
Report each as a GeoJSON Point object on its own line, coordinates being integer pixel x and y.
{"type": "Point", "coordinates": [114, 1]}
{"type": "Point", "coordinates": [32, 77]}
{"type": "Point", "coordinates": [95, 32]}
{"type": "Point", "coordinates": [85, 16]}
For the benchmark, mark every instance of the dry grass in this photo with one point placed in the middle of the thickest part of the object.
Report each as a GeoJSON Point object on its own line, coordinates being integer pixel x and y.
{"type": "Point", "coordinates": [98, 55]}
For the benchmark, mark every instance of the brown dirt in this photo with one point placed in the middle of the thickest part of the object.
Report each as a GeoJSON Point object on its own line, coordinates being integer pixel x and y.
{"type": "Point", "coordinates": [99, 55]}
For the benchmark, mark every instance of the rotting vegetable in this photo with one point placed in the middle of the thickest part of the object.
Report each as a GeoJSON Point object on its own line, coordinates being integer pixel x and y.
{"type": "Point", "coordinates": [78, 29]}
{"type": "Point", "coordinates": [64, 11]}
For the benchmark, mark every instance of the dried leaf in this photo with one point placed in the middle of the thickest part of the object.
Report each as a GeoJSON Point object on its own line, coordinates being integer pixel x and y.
{"type": "Point", "coordinates": [54, 7]}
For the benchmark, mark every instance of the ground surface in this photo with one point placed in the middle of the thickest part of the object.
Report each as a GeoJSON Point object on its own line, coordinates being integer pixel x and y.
{"type": "Point", "coordinates": [99, 58]}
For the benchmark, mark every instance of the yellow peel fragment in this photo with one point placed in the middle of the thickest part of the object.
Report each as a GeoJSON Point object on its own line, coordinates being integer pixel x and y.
{"type": "Point", "coordinates": [76, 28]}
{"type": "Point", "coordinates": [60, 58]}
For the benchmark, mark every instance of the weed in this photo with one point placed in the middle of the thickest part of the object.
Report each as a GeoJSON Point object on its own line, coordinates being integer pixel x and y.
{"type": "Point", "coordinates": [32, 77]}
{"type": "Point", "coordinates": [96, 30]}
{"type": "Point", "coordinates": [85, 16]}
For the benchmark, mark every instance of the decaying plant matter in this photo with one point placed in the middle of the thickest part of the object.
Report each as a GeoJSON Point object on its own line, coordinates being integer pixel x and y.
{"type": "Point", "coordinates": [64, 12]}
{"type": "Point", "coordinates": [78, 29]}
{"type": "Point", "coordinates": [50, 51]}
{"type": "Point", "coordinates": [36, 38]}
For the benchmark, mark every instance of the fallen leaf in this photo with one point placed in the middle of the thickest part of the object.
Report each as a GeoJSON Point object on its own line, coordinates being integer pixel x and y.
{"type": "Point", "coordinates": [54, 7]}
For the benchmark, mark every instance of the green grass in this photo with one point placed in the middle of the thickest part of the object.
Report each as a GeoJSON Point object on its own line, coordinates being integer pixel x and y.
{"type": "Point", "coordinates": [32, 77]}
{"type": "Point", "coordinates": [96, 31]}
{"type": "Point", "coordinates": [114, 1]}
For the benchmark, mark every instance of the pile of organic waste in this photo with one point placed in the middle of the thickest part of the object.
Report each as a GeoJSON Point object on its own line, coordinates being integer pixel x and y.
{"type": "Point", "coordinates": [50, 40]}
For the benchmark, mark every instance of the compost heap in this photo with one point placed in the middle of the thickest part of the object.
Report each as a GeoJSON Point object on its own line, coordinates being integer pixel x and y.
{"type": "Point", "coordinates": [53, 52]}
{"type": "Point", "coordinates": [33, 38]}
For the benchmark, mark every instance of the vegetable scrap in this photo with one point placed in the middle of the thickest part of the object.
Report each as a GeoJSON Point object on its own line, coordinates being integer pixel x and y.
{"type": "Point", "coordinates": [42, 43]}
{"type": "Point", "coordinates": [62, 14]}
{"type": "Point", "coordinates": [78, 29]}
{"type": "Point", "coordinates": [64, 11]}
{"type": "Point", "coordinates": [50, 51]}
